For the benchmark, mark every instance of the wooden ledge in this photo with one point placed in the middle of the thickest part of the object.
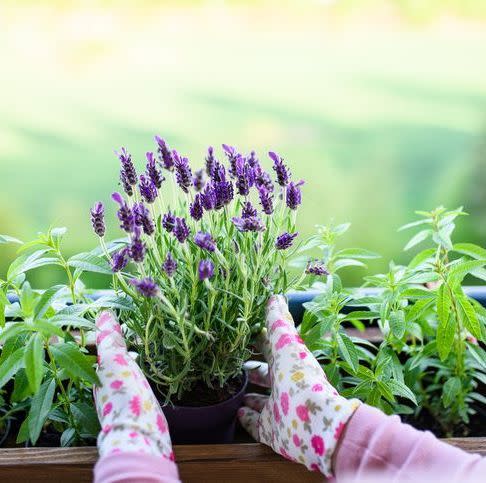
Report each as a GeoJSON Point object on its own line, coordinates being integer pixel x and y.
{"type": "Point", "coordinates": [237, 463]}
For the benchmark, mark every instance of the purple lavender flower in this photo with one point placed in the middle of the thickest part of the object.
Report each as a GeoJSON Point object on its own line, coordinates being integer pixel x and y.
{"type": "Point", "coordinates": [120, 259]}
{"type": "Point", "coordinates": [208, 198]}
{"type": "Point", "coordinates": [252, 160]}
{"type": "Point", "coordinates": [181, 231]}
{"type": "Point", "coordinates": [223, 193]}
{"type": "Point", "coordinates": [316, 267]}
{"type": "Point", "coordinates": [294, 195]}
{"type": "Point", "coordinates": [143, 218]}
{"type": "Point", "coordinates": [233, 156]}
{"type": "Point", "coordinates": [137, 247]}
{"type": "Point", "coordinates": [98, 219]}
{"type": "Point", "coordinates": [183, 171]}
{"type": "Point", "coordinates": [152, 171]}
{"type": "Point", "coordinates": [248, 224]}
{"type": "Point", "coordinates": [128, 169]}
{"type": "Point", "coordinates": [146, 287]}
{"type": "Point", "coordinates": [196, 208]}
{"type": "Point", "coordinates": [219, 172]}
{"type": "Point", "coordinates": [199, 180]}
{"type": "Point", "coordinates": [263, 179]}
{"type": "Point", "coordinates": [205, 241]}
{"type": "Point", "coordinates": [210, 162]}
{"type": "Point", "coordinates": [127, 187]}
{"type": "Point", "coordinates": [248, 211]}
{"type": "Point", "coordinates": [168, 222]}
{"type": "Point", "coordinates": [280, 169]}
{"type": "Point", "coordinates": [147, 189]}
{"type": "Point", "coordinates": [285, 240]}
{"type": "Point", "coordinates": [125, 214]}
{"type": "Point", "coordinates": [242, 177]}
{"type": "Point", "coordinates": [165, 155]}
{"type": "Point", "coordinates": [266, 200]}
{"type": "Point", "coordinates": [205, 269]}
{"type": "Point", "coordinates": [170, 265]}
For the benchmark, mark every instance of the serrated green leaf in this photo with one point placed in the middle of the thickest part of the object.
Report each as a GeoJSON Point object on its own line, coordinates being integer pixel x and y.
{"type": "Point", "coordinates": [46, 300]}
{"type": "Point", "coordinates": [399, 388]}
{"type": "Point", "coordinates": [347, 350]}
{"type": "Point", "coordinates": [34, 361]}
{"type": "Point", "coordinates": [72, 321]}
{"type": "Point", "coordinates": [450, 391]}
{"type": "Point", "coordinates": [447, 323]}
{"type": "Point", "coordinates": [74, 362]}
{"type": "Point", "coordinates": [113, 302]}
{"type": "Point", "coordinates": [39, 409]}
{"type": "Point", "coordinates": [86, 419]}
{"type": "Point", "coordinates": [418, 308]}
{"type": "Point", "coordinates": [422, 257]}
{"type": "Point", "coordinates": [88, 262]}
{"type": "Point", "coordinates": [68, 437]}
{"type": "Point", "coordinates": [478, 353]}
{"type": "Point", "coordinates": [413, 224]}
{"type": "Point", "coordinates": [347, 262]}
{"type": "Point", "coordinates": [417, 238]}
{"type": "Point", "coordinates": [470, 249]}
{"type": "Point", "coordinates": [385, 391]}
{"type": "Point", "coordinates": [469, 317]}
{"type": "Point", "coordinates": [397, 323]}
{"type": "Point", "coordinates": [11, 365]}
{"type": "Point", "coordinates": [29, 262]}
{"type": "Point", "coordinates": [417, 293]}
{"type": "Point", "coordinates": [361, 315]}
{"type": "Point", "coordinates": [48, 328]}
{"type": "Point", "coordinates": [459, 270]}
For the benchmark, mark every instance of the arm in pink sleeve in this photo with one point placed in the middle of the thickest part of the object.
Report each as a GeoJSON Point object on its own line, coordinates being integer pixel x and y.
{"type": "Point", "coordinates": [126, 467]}
{"type": "Point", "coordinates": [376, 447]}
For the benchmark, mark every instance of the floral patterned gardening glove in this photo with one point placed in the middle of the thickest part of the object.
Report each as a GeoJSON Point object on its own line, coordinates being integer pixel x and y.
{"type": "Point", "coordinates": [130, 415]}
{"type": "Point", "coordinates": [304, 416]}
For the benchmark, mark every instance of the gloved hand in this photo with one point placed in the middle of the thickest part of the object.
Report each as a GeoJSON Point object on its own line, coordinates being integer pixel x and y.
{"type": "Point", "coordinates": [304, 416]}
{"type": "Point", "coordinates": [130, 415]}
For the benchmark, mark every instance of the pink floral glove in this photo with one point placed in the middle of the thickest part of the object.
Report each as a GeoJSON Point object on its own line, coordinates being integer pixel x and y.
{"type": "Point", "coordinates": [130, 415]}
{"type": "Point", "coordinates": [304, 416]}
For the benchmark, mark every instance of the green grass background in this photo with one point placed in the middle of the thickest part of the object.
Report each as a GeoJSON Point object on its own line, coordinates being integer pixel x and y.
{"type": "Point", "coordinates": [379, 106]}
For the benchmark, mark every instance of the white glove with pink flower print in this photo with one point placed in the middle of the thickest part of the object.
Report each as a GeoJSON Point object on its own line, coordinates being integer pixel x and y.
{"type": "Point", "coordinates": [130, 415]}
{"type": "Point", "coordinates": [304, 416]}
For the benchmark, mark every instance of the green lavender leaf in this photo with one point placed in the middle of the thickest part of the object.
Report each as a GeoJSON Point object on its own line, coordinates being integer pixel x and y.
{"type": "Point", "coordinates": [451, 390]}
{"type": "Point", "coordinates": [40, 406]}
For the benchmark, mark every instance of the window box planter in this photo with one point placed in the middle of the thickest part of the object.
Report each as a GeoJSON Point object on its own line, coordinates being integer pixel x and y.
{"type": "Point", "coordinates": [239, 461]}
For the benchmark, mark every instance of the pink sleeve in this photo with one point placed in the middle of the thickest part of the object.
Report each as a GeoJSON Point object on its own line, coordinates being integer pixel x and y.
{"type": "Point", "coordinates": [135, 468]}
{"type": "Point", "coordinates": [376, 447]}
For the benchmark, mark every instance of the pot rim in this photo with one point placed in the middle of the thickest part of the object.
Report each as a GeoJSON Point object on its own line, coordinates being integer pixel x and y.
{"type": "Point", "coordinates": [211, 406]}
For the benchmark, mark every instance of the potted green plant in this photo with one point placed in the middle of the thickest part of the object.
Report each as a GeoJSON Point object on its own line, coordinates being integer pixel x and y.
{"type": "Point", "coordinates": [203, 252]}
{"type": "Point", "coordinates": [430, 365]}
{"type": "Point", "coordinates": [46, 372]}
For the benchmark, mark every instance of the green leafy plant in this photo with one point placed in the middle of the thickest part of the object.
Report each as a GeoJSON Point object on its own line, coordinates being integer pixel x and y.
{"type": "Point", "coordinates": [46, 373]}
{"type": "Point", "coordinates": [430, 331]}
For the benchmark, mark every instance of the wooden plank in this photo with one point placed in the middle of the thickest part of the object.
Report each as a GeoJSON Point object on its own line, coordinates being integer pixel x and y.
{"type": "Point", "coordinates": [211, 463]}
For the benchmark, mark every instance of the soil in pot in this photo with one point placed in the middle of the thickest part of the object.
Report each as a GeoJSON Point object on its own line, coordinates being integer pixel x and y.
{"type": "Point", "coordinates": [206, 415]}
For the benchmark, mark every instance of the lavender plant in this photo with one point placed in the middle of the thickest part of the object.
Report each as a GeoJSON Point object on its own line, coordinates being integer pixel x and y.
{"type": "Point", "coordinates": [204, 249]}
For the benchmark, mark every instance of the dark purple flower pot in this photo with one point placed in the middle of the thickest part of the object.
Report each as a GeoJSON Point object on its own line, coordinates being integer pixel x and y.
{"type": "Point", "coordinates": [205, 424]}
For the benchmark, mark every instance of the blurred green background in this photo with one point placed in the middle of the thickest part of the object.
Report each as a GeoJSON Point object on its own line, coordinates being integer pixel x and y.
{"type": "Point", "coordinates": [379, 105]}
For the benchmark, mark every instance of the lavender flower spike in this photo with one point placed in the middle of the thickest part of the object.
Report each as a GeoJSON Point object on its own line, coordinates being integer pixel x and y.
{"type": "Point", "coordinates": [152, 172]}
{"type": "Point", "coordinates": [280, 169]}
{"type": "Point", "coordinates": [146, 287]}
{"type": "Point", "coordinates": [147, 189]}
{"type": "Point", "coordinates": [248, 211]}
{"type": "Point", "coordinates": [285, 241]}
{"type": "Point", "coordinates": [168, 222]}
{"type": "Point", "coordinates": [128, 171]}
{"type": "Point", "coordinates": [98, 219]}
{"type": "Point", "coordinates": [266, 200]}
{"type": "Point", "coordinates": [183, 171]}
{"type": "Point", "coordinates": [205, 241]}
{"type": "Point", "coordinates": [248, 224]}
{"type": "Point", "coordinates": [316, 267]}
{"type": "Point", "coordinates": [242, 177]}
{"type": "Point", "coordinates": [170, 265]}
{"type": "Point", "coordinates": [137, 247]}
{"type": "Point", "coordinates": [198, 180]}
{"type": "Point", "coordinates": [120, 260]}
{"type": "Point", "coordinates": [205, 269]}
{"type": "Point", "coordinates": [165, 156]}
{"type": "Point", "coordinates": [125, 214]}
{"type": "Point", "coordinates": [196, 208]}
{"type": "Point", "coordinates": [208, 198]}
{"type": "Point", "coordinates": [143, 218]}
{"type": "Point", "coordinates": [210, 162]}
{"type": "Point", "coordinates": [181, 231]}
{"type": "Point", "coordinates": [294, 195]}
